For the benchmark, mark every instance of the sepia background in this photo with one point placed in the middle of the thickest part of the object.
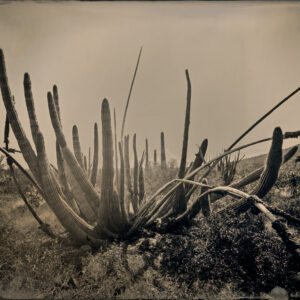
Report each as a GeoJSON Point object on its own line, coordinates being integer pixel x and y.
{"type": "Point", "coordinates": [243, 58]}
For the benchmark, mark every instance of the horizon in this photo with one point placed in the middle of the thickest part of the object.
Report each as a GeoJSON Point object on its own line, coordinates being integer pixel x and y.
{"type": "Point", "coordinates": [243, 58]}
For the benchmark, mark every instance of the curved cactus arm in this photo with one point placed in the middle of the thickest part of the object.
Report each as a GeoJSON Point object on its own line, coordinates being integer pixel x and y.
{"type": "Point", "coordinates": [273, 163]}
{"type": "Point", "coordinates": [76, 146]}
{"type": "Point", "coordinates": [186, 128]}
{"type": "Point", "coordinates": [78, 195]}
{"type": "Point", "coordinates": [92, 196]}
{"type": "Point", "coordinates": [24, 144]}
{"type": "Point", "coordinates": [141, 180]}
{"type": "Point", "coordinates": [74, 199]}
{"type": "Point", "coordinates": [135, 176]}
{"type": "Point", "coordinates": [69, 196]}
{"type": "Point", "coordinates": [222, 189]}
{"type": "Point", "coordinates": [76, 226]}
{"type": "Point", "coordinates": [254, 175]}
{"type": "Point", "coordinates": [96, 155]}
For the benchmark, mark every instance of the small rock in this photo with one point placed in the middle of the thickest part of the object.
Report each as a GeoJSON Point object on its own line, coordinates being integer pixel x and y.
{"type": "Point", "coordinates": [279, 293]}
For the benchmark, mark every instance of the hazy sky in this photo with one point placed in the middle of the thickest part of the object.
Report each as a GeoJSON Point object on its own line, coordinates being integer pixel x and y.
{"type": "Point", "coordinates": [242, 57]}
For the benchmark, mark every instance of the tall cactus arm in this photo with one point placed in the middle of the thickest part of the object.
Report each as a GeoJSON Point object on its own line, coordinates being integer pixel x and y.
{"type": "Point", "coordinates": [127, 165]}
{"type": "Point", "coordinates": [122, 175]}
{"type": "Point", "coordinates": [155, 157]}
{"type": "Point", "coordinates": [107, 148]}
{"type": "Point", "coordinates": [89, 163]}
{"type": "Point", "coordinates": [127, 173]}
{"type": "Point", "coordinates": [96, 155]}
{"type": "Point", "coordinates": [92, 196]}
{"type": "Point", "coordinates": [273, 163]}
{"type": "Point", "coordinates": [124, 210]}
{"type": "Point", "coordinates": [135, 176]}
{"type": "Point", "coordinates": [116, 150]}
{"type": "Point", "coordinates": [63, 180]}
{"type": "Point", "coordinates": [162, 151]}
{"type": "Point", "coordinates": [141, 181]}
{"type": "Point", "coordinates": [76, 146]}
{"type": "Point", "coordinates": [199, 159]}
{"type": "Point", "coordinates": [56, 101]}
{"type": "Point", "coordinates": [62, 174]}
{"type": "Point", "coordinates": [109, 211]}
{"type": "Point", "coordinates": [85, 209]}
{"type": "Point", "coordinates": [147, 154]}
{"type": "Point", "coordinates": [76, 226]}
{"type": "Point", "coordinates": [179, 200]}
{"type": "Point", "coordinates": [24, 144]}
{"type": "Point", "coordinates": [30, 106]}
{"type": "Point", "coordinates": [85, 163]}
{"type": "Point", "coordinates": [186, 128]}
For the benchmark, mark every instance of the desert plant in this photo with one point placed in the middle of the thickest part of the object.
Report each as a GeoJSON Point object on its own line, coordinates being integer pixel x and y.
{"type": "Point", "coordinates": [90, 217]}
{"type": "Point", "coordinates": [227, 167]}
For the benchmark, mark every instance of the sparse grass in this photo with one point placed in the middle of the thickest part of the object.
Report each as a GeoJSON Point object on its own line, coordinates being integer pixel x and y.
{"type": "Point", "coordinates": [222, 256]}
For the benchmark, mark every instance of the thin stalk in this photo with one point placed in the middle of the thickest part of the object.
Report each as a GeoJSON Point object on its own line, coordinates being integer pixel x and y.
{"type": "Point", "coordinates": [263, 117]}
{"type": "Point", "coordinates": [132, 82]}
{"type": "Point", "coordinates": [43, 226]}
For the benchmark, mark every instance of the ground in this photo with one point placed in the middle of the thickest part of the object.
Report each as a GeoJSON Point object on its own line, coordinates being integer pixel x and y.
{"type": "Point", "coordinates": [223, 256]}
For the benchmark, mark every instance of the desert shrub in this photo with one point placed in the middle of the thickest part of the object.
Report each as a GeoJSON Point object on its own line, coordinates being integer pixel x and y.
{"type": "Point", "coordinates": [223, 250]}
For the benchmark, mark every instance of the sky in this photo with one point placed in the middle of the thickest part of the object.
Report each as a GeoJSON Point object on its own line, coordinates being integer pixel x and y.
{"type": "Point", "coordinates": [242, 58]}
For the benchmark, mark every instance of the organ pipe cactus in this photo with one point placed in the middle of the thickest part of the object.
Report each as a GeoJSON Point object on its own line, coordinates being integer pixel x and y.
{"type": "Point", "coordinates": [89, 216]}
